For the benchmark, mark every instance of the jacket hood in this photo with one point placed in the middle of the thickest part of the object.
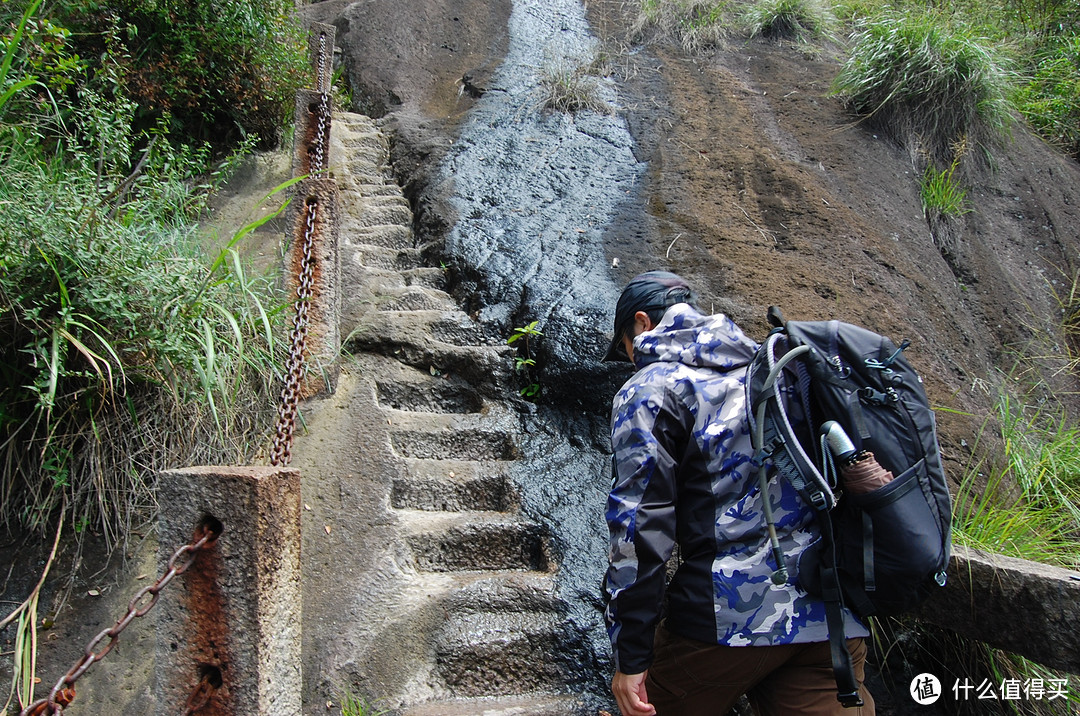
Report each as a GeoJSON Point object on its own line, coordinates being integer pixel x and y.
{"type": "Point", "coordinates": [686, 336]}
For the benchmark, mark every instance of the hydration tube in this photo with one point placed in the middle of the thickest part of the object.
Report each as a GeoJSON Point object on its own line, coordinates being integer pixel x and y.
{"type": "Point", "coordinates": [780, 576]}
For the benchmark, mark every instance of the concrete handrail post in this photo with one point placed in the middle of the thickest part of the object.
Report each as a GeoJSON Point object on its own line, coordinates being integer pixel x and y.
{"type": "Point", "coordinates": [233, 618]}
{"type": "Point", "coordinates": [1023, 607]}
{"type": "Point", "coordinates": [323, 343]}
{"type": "Point", "coordinates": [326, 33]}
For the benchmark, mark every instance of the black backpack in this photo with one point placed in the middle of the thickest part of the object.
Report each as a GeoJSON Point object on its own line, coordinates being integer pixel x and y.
{"type": "Point", "coordinates": [880, 553]}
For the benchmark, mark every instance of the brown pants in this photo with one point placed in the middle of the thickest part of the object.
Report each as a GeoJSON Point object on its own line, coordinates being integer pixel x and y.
{"type": "Point", "coordinates": [693, 678]}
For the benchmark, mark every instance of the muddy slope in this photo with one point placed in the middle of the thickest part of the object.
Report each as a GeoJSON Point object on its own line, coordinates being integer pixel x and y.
{"type": "Point", "coordinates": [757, 184]}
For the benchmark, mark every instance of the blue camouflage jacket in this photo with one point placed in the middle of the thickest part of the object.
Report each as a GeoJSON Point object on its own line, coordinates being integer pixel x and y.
{"type": "Point", "coordinates": [682, 474]}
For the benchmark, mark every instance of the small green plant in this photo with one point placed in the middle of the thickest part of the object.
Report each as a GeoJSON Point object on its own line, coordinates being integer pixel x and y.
{"type": "Point", "coordinates": [353, 705]}
{"type": "Point", "coordinates": [788, 19]}
{"type": "Point", "coordinates": [524, 363]}
{"type": "Point", "coordinates": [922, 81]}
{"type": "Point", "coordinates": [940, 191]}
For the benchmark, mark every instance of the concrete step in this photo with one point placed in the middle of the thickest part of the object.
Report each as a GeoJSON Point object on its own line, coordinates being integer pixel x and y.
{"type": "Point", "coordinates": [387, 236]}
{"type": "Point", "coordinates": [375, 256]}
{"type": "Point", "coordinates": [453, 436]}
{"type": "Point", "coordinates": [355, 216]}
{"type": "Point", "coordinates": [528, 705]}
{"type": "Point", "coordinates": [483, 366]}
{"type": "Point", "coordinates": [415, 298]}
{"type": "Point", "coordinates": [425, 276]}
{"type": "Point", "coordinates": [366, 184]}
{"type": "Point", "coordinates": [482, 654]}
{"type": "Point", "coordinates": [452, 327]}
{"type": "Point", "coordinates": [470, 541]}
{"type": "Point", "coordinates": [408, 389]}
{"type": "Point", "coordinates": [453, 485]}
{"type": "Point", "coordinates": [466, 444]}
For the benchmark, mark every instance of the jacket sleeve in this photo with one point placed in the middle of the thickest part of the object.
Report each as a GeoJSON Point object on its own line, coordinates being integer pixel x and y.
{"type": "Point", "coordinates": [647, 436]}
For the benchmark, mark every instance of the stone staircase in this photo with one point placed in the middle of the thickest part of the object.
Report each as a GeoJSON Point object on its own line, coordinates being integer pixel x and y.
{"type": "Point", "coordinates": [471, 582]}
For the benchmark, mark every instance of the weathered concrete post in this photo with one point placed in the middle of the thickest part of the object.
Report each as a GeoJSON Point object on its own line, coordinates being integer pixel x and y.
{"type": "Point", "coordinates": [323, 343]}
{"type": "Point", "coordinates": [321, 51]}
{"type": "Point", "coordinates": [1027, 608]}
{"type": "Point", "coordinates": [232, 620]}
{"type": "Point", "coordinates": [307, 141]}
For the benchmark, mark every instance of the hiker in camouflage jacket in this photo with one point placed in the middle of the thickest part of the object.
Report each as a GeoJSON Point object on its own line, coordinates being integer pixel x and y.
{"type": "Point", "coordinates": [682, 474]}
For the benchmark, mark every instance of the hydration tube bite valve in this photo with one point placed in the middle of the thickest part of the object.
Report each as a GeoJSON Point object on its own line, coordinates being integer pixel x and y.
{"type": "Point", "coordinates": [839, 442]}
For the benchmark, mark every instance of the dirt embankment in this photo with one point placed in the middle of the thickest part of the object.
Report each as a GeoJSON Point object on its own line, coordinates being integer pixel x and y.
{"type": "Point", "coordinates": [763, 190]}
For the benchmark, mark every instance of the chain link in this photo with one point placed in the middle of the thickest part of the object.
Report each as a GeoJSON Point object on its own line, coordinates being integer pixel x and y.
{"type": "Point", "coordinates": [281, 453]}
{"type": "Point", "coordinates": [294, 366]}
{"type": "Point", "coordinates": [63, 693]}
{"type": "Point", "coordinates": [201, 695]}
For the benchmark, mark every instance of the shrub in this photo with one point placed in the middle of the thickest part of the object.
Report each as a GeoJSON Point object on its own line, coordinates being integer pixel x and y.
{"type": "Point", "coordinates": [1050, 101]}
{"type": "Point", "coordinates": [215, 71]}
{"type": "Point", "coordinates": [788, 19]}
{"type": "Point", "coordinates": [923, 83]}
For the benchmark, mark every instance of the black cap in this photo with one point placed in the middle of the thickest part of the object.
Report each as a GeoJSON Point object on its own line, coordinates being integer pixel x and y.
{"type": "Point", "coordinates": [645, 292]}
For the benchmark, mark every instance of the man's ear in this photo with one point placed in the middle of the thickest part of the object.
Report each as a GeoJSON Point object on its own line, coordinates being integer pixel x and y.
{"type": "Point", "coordinates": [642, 322]}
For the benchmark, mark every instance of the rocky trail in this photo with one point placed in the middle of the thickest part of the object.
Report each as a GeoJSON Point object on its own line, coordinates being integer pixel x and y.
{"type": "Point", "coordinates": [464, 618]}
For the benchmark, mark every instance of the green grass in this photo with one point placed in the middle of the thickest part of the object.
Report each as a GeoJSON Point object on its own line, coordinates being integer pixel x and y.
{"type": "Point", "coordinates": [123, 349]}
{"type": "Point", "coordinates": [940, 191]}
{"type": "Point", "coordinates": [695, 25]}
{"type": "Point", "coordinates": [353, 705]}
{"type": "Point", "coordinates": [927, 83]}
{"type": "Point", "coordinates": [1027, 505]}
{"type": "Point", "coordinates": [567, 86]}
{"type": "Point", "coordinates": [1050, 99]}
{"type": "Point", "coordinates": [788, 19]}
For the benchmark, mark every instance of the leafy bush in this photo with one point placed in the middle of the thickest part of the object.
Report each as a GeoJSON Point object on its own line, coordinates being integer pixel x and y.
{"type": "Point", "coordinates": [1050, 101]}
{"type": "Point", "coordinates": [122, 352]}
{"type": "Point", "coordinates": [924, 83]}
{"type": "Point", "coordinates": [213, 71]}
{"type": "Point", "coordinates": [788, 19]}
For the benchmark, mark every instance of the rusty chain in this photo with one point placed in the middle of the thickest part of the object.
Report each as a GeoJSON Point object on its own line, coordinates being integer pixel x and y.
{"type": "Point", "coordinates": [294, 366]}
{"type": "Point", "coordinates": [281, 453]}
{"type": "Point", "coordinates": [63, 693]}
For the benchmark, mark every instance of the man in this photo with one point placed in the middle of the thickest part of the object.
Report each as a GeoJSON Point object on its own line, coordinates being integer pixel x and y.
{"type": "Point", "coordinates": [682, 474]}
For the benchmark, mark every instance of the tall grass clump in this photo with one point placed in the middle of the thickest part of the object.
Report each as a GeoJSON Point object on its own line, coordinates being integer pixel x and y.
{"type": "Point", "coordinates": [695, 25]}
{"type": "Point", "coordinates": [1050, 100]}
{"type": "Point", "coordinates": [788, 19]}
{"type": "Point", "coordinates": [570, 86]}
{"type": "Point", "coordinates": [924, 82]}
{"type": "Point", "coordinates": [1027, 505]}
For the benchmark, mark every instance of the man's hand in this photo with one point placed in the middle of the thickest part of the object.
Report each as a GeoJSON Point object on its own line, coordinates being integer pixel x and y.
{"type": "Point", "coordinates": [629, 691]}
